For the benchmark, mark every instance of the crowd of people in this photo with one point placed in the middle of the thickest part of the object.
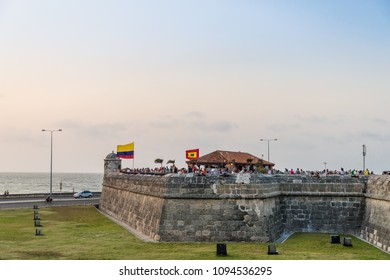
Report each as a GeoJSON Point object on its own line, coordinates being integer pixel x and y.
{"type": "Point", "coordinates": [203, 170]}
{"type": "Point", "coordinates": [156, 170]}
{"type": "Point", "coordinates": [350, 172]}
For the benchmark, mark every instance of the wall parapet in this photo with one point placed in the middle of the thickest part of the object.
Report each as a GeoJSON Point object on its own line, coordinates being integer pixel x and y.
{"type": "Point", "coordinates": [213, 186]}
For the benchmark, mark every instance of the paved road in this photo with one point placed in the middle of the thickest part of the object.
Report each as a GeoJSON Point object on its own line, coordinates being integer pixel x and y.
{"type": "Point", "coordinates": [28, 201]}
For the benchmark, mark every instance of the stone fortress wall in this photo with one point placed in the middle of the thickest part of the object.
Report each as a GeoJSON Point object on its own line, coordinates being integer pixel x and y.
{"type": "Point", "coordinates": [246, 207]}
{"type": "Point", "coordinates": [376, 219]}
{"type": "Point", "coordinates": [261, 208]}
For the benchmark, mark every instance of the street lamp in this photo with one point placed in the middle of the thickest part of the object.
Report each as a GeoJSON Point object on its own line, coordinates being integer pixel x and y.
{"type": "Point", "coordinates": [268, 140]}
{"type": "Point", "coordinates": [51, 156]}
{"type": "Point", "coordinates": [364, 157]}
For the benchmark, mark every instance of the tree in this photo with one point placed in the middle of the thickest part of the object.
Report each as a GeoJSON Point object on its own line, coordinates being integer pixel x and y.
{"type": "Point", "coordinates": [159, 160]}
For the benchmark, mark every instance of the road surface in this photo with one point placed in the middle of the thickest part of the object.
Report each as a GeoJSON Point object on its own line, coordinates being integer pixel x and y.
{"type": "Point", "coordinates": [28, 201]}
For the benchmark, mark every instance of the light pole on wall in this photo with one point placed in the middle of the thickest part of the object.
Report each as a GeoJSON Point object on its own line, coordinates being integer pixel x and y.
{"type": "Point", "coordinates": [51, 156]}
{"type": "Point", "coordinates": [364, 157]}
{"type": "Point", "coordinates": [268, 140]}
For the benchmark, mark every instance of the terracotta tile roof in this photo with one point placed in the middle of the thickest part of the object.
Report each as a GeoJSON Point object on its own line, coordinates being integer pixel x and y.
{"type": "Point", "coordinates": [218, 157]}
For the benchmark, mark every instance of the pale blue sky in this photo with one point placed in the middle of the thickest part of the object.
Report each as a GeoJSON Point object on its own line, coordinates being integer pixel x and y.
{"type": "Point", "coordinates": [178, 75]}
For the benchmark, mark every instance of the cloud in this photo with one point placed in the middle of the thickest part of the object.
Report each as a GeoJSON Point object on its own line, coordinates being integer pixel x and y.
{"type": "Point", "coordinates": [15, 136]}
{"type": "Point", "coordinates": [97, 130]}
{"type": "Point", "coordinates": [283, 127]}
{"type": "Point", "coordinates": [380, 121]}
{"type": "Point", "coordinates": [374, 136]}
{"type": "Point", "coordinates": [297, 122]}
{"type": "Point", "coordinates": [165, 124]}
{"type": "Point", "coordinates": [208, 126]}
{"type": "Point", "coordinates": [195, 114]}
{"type": "Point", "coordinates": [194, 120]}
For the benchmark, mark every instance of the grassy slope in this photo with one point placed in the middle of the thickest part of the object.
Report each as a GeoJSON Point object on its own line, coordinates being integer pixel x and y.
{"type": "Point", "coordinates": [75, 233]}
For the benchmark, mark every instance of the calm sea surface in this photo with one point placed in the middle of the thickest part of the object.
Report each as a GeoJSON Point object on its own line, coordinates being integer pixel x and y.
{"type": "Point", "coordinates": [27, 183]}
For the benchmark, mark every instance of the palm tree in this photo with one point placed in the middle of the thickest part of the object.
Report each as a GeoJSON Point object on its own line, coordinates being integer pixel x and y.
{"type": "Point", "coordinates": [159, 160]}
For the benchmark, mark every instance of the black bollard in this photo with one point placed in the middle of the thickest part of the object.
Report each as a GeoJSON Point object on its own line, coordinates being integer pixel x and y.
{"type": "Point", "coordinates": [272, 250]}
{"type": "Point", "coordinates": [335, 239]}
{"type": "Point", "coordinates": [221, 249]}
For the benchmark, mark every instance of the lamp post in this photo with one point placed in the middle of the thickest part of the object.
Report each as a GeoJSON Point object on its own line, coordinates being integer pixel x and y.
{"type": "Point", "coordinates": [51, 156]}
{"type": "Point", "coordinates": [364, 157]}
{"type": "Point", "coordinates": [262, 161]}
{"type": "Point", "coordinates": [268, 140]}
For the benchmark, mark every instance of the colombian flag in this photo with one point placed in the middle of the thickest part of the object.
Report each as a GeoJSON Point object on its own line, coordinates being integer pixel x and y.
{"type": "Point", "coordinates": [125, 151]}
{"type": "Point", "coordinates": [192, 154]}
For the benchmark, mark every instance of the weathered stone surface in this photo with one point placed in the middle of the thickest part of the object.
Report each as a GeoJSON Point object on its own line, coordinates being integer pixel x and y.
{"type": "Point", "coordinates": [376, 221]}
{"type": "Point", "coordinates": [189, 208]}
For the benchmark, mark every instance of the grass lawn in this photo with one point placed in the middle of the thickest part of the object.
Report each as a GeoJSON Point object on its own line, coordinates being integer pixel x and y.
{"type": "Point", "coordinates": [82, 233]}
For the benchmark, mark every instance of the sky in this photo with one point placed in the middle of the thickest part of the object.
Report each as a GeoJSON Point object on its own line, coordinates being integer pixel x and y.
{"type": "Point", "coordinates": [177, 75]}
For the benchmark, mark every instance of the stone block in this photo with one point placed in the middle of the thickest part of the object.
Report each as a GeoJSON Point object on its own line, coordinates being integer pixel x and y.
{"type": "Point", "coordinates": [335, 239]}
{"type": "Point", "coordinates": [347, 241]}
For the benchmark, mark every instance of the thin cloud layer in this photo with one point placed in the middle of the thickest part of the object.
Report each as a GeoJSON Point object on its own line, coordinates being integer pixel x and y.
{"type": "Point", "coordinates": [194, 74]}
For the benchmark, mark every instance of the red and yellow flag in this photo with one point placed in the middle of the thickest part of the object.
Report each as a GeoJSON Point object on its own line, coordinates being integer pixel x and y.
{"type": "Point", "coordinates": [192, 154]}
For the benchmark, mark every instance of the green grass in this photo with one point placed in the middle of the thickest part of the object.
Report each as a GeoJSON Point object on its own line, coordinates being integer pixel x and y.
{"type": "Point", "coordinates": [82, 233]}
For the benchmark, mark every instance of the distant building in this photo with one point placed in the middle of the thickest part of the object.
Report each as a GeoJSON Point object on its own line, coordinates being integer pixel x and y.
{"type": "Point", "coordinates": [231, 160]}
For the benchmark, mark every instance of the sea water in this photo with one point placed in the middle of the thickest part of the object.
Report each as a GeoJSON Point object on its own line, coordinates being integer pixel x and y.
{"type": "Point", "coordinates": [29, 183]}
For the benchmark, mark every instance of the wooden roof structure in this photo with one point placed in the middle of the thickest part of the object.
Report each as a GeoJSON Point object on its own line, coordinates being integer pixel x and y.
{"type": "Point", "coordinates": [219, 157]}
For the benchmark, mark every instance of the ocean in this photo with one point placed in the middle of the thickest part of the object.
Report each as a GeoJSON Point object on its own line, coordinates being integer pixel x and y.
{"type": "Point", "coordinates": [29, 183]}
